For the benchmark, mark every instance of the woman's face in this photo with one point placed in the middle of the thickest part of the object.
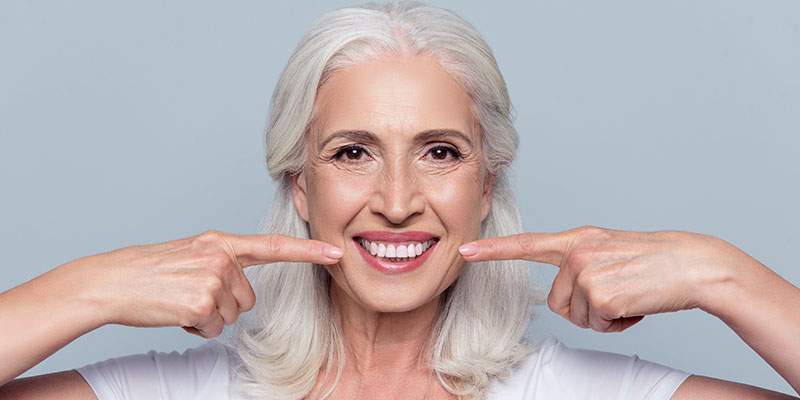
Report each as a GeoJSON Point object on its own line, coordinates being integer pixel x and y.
{"type": "Point", "coordinates": [372, 169]}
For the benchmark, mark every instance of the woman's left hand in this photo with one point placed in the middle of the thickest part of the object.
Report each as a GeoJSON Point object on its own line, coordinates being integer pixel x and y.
{"type": "Point", "coordinates": [610, 279]}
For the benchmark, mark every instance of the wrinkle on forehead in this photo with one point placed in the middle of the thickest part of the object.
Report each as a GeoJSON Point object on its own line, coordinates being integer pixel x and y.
{"type": "Point", "coordinates": [395, 94]}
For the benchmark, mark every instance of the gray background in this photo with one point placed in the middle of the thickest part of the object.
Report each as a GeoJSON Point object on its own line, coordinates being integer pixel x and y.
{"type": "Point", "coordinates": [137, 123]}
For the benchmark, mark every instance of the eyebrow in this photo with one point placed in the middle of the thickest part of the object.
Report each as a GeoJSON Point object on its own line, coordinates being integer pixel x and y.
{"type": "Point", "coordinates": [369, 137]}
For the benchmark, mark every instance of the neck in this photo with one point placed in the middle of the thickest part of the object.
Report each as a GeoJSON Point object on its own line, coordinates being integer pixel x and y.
{"type": "Point", "coordinates": [387, 343]}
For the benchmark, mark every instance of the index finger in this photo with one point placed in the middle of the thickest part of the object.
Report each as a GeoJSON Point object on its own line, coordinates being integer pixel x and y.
{"type": "Point", "coordinates": [541, 247]}
{"type": "Point", "coordinates": [260, 249]}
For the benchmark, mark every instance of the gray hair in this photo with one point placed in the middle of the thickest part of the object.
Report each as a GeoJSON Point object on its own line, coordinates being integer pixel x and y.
{"type": "Point", "coordinates": [293, 331]}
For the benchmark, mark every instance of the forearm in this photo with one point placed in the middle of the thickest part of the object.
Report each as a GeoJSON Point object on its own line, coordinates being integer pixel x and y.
{"type": "Point", "coordinates": [764, 310]}
{"type": "Point", "coordinates": [39, 317]}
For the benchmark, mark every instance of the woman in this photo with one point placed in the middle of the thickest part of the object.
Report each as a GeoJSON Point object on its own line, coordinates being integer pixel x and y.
{"type": "Point", "coordinates": [397, 257]}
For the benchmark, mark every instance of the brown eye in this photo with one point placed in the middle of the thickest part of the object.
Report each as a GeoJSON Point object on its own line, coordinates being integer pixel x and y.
{"type": "Point", "coordinates": [440, 153]}
{"type": "Point", "coordinates": [352, 153]}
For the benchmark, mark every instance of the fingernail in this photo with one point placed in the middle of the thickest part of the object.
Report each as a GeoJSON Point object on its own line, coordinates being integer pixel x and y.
{"type": "Point", "coordinates": [469, 249]}
{"type": "Point", "coordinates": [333, 252]}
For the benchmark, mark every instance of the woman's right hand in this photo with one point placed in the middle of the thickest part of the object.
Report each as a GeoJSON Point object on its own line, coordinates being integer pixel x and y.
{"type": "Point", "coordinates": [197, 283]}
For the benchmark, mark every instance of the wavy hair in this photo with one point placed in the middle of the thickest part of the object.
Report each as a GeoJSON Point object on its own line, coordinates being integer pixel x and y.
{"type": "Point", "coordinates": [293, 331]}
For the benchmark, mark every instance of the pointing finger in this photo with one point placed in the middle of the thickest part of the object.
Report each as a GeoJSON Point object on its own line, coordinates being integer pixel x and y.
{"type": "Point", "coordinates": [261, 249]}
{"type": "Point", "coordinates": [547, 248]}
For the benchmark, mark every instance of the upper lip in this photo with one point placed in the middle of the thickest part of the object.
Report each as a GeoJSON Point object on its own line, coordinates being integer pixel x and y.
{"type": "Point", "coordinates": [387, 236]}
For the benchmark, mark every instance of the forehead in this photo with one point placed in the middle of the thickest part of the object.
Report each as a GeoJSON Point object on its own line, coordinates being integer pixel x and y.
{"type": "Point", "coordinates": [393, 95]}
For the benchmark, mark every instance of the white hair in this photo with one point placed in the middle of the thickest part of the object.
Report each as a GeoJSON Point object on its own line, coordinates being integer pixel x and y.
{"type": "Point", "coordinates": [293, 331]}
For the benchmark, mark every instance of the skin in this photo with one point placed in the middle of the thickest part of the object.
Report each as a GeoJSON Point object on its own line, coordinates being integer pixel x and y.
{"type": "Point", "coordinates": [196, 283]}
{"type": "Point", "coordinates": [608, 279]}
{"type": "Point", "coordinates": [398, 183]}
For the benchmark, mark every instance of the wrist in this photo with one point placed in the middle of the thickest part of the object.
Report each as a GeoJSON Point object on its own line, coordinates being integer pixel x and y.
{"type": "Point", "coordinates": [718, 293]}
{"type": "Point", "coordinates": [727, 288]}
{"type": "Point", "coordinates": [77, 288]}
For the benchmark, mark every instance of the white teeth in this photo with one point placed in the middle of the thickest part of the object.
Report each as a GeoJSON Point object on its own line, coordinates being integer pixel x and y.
{"type": "Point", "coordinates": [412, 250]}
{"type": "Point", "coordinates": [381, 250]}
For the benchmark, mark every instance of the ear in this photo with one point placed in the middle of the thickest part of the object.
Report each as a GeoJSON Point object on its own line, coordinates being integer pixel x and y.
{"type": "Point", "coordinates": [486, 197]}
{"type": "Point", "coordinates": [299, 194]}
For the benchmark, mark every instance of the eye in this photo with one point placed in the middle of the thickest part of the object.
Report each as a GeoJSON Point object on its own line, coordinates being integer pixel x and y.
{"type": "Point", "coordinates": [351, 152]}
{"type": "Point", "coordinates": [440, 152]}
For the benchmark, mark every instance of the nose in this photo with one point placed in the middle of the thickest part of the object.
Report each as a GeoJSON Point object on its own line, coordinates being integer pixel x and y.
{"type": "Point", "coordinates": [398, 197]}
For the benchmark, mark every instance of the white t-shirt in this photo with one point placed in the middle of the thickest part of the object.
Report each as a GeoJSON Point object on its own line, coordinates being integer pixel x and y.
{"type": "Point", "coordinates": [553, 371]}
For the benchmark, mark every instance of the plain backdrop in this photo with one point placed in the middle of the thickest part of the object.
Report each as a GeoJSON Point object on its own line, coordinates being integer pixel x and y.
{"type": "Point", "coordinates": [139, 122]}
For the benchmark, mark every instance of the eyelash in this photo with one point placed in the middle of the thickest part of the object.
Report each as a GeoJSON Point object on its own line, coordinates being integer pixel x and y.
{"type": "Point", "coordinates": [452, 150]}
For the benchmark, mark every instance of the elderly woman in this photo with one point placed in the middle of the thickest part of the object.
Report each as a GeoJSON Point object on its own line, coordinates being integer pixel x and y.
{"type": "Point", "coordinates": [397, 261]}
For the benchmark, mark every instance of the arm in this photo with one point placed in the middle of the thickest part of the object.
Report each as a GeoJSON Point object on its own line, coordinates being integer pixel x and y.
{"type": "Point", "coordinates": [39, 317]}
{"type": "Point", "coordinates": [609, 279]}
{"type": "Point", "coordinates": [196, 283]}
{"type": "Point", "coordinates": [764, 310]}
{"type": "Point", "coordinates": [62, 385]}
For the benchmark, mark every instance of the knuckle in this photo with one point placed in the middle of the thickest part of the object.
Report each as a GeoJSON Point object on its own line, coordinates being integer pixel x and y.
{"type": "Point", "coordinates": [213, 329]}
{"type": "Point", "coordinates": [597, 323]}
{"type": "Point", "coordinates": [526, 243]}
{"type": "Point", "coordinates": [597, 299]}
{"type": "Point", "coordinates": [273, 244]}
{"type": "Point", "coordinates": [604, 305]}
{"type": "Point", "coordinates": [590, 229]}
{"type": "Point", "coordinates": [585, 281]}
{"type": "Point", "coordinates": [580, 258]}
{"type": "Point", "coordinates": [575, 319]}
{"type": "Point", "coordinates": [219, 261]}
{"type": "Point", "coordinates": [233, 318]}
{"type": "Point", "coordinates": [206, 241]}
{"type": "Point", "coordinates": [211, 283]}
{"type": "Point", "coordinates": [249, 301]}
{"type": "Point", "coordinates": [210, 235]}
{"type": "Point", "coordinates": [247, 305]}
{"type": "Point", "coordinates": [595, 232]}
{"type": "Point", "coordinates": [555, 306]}
{"type": "Point", "coordinates": [202, 308]}
{"type": "Point", "coordinates": [551, 302]}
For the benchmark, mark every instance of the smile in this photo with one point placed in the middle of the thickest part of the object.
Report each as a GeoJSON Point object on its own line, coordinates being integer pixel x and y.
{"type": "Point", "coordinates": [396, 252]}
{"type": "Point", "coordinates": [395, 256]}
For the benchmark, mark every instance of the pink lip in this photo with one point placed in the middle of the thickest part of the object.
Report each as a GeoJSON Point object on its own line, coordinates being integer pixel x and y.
{"type": "Point", "coordinates": [394, 267]}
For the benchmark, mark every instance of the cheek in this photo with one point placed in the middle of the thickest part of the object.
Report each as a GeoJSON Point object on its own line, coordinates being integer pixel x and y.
{"type": "Point", "coordinates": [456, 200]}
{"type": "Point", "coordinates": [333, 202]}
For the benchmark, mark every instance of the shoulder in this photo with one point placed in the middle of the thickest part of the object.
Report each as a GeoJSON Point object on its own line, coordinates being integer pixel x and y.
{"type": "Point", "coordinates": [195, 373]}
{"type": "Point", "coordinates": [555, 370]}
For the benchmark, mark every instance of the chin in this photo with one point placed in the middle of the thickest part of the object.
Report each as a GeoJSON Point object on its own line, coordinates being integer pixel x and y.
{"type": "Point", "coordinates": [396, 296]}
{"type": "Point", "coordinates": [393, 301]}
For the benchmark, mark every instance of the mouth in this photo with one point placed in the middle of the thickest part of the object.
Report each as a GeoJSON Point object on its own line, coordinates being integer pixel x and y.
{"type": "Point", "coordinates": [394, 256]}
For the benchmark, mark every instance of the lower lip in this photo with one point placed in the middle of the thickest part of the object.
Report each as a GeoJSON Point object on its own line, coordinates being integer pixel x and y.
{"type": "Point", "coordinates": [394, 267]}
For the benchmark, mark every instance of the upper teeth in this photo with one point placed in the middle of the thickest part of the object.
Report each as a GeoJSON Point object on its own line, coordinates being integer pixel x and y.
{"type": "Point", "coordinates": [395, 250]}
